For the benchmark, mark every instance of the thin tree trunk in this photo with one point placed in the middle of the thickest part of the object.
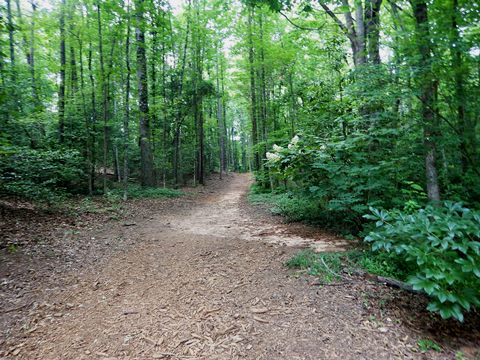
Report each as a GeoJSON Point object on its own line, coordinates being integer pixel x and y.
{"type": "Point", "coordinates": [224, 118]}
{"type": "Point", "coordinates": [465, 126]}
{"type": "Point", "coordinates": [88, 145]}
{"type": "Point", "coordinates": [372, 23]}
{"type": "Point", "coordinates": [165, 102]}
{"type": "Point", "coordinates": [146, 157]}
{"type": "Point", "coordinates": [11, 29]}
{"type": "Point", "coordinates": [93, 120]}
{"type": "Point", "coordinates": [126, 119]}
{"type": "Point", "coordinates": [293, 105]}
{"type": "Point", "coordinates": [177, 153]}
{"type": "Point", "coordinates": [61, 88]}
{"type": "Point", "coordinates": [360, 31]}
{"type": "Point", "coordinates": [427, 84]}
{"type": "Point", "coordinates": [253, 98]}
{"type": "Point", "coordinates": [198, 99]}
{"type": "Point", "coordinates": [104, 98]}
{"type": "Point", "coordinates": [220, 122]}
{"type": "Point", "coordinates": [263, 93]}
{"type": "Point", "coordinates": [35, 96]}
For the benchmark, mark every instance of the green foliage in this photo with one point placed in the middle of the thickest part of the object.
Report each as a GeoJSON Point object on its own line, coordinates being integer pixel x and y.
{"type": "Point", "coordinates": [40, 175]}
{"type": "Point", "coordinates": [426, 344]}
{"type": "Point", "coordinates": [443, 245]}
{"type": "Point", "coordinates": [384, 264]}
{"type": "Point", "coordinates": [138, 192]}
{"type": "Point", "coordinates": [325, 265]}
{"type": "Point", "coordinates": [340, 179]}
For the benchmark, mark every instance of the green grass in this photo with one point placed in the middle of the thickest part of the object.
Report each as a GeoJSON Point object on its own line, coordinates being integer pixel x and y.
{"type": "Point", "coordinates": [425, 345]}
{"type": "Point", "coordinates": [329, 266]}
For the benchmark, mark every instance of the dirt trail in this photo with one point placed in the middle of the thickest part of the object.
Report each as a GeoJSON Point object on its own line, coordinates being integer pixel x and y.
{"type": "Point", "coordinates": [206, 281]}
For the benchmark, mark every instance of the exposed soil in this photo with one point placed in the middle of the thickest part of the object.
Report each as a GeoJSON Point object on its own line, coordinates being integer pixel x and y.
{"type": "Point", "coordinates": [202, 277]}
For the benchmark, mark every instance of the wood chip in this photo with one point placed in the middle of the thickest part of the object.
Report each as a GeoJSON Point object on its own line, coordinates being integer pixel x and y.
{"type": "Point", "coordinates": [259, 319]}
{"type": "Point", "coordinates": [261, 310]}
{"type": "Point", "coordinates": [129, 312]}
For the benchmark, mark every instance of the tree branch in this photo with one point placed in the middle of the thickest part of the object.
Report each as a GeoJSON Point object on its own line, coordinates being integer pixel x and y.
{"type": "Point", "coordinates": [335, 17]}
{"type": "Point", "coordinates": [339, 22]}
{"type": "Point", "coordinates": [299, 26]}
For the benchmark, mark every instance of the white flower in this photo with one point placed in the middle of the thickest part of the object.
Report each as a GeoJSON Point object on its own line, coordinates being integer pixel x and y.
{"type": "Point", "coordinates": [294, 140]}
{"type": "Point", "coordinates": [277, 148]}
{"type": "Point", "coordinates": [273, 157]}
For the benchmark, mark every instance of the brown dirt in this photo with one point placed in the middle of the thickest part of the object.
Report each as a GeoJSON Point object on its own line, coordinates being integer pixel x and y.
{"type": "Point", "coordinates": [200, 277]}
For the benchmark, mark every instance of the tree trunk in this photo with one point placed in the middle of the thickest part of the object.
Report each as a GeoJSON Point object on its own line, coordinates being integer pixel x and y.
{"type": "Point", "coordinates": [198, 99]}
{"type": "Point", "coordinates": [361, 54]}
{"type": "Point", "coordinates": [372, 24]}
{"type": "Point", "coordinates": [293, 105]}
{"type": "Point", "coordinates": [177, 146]}
{"type": "Point", "coordinates": [126, 119]}
{"type": "Point", "coordinates": [61, 88]}
{"type": "Point", "coordinates": [427, 88]}
{"type": "Point", "coordinates": [263, 91]}
{"type": "Point", "coordinates": [92, 124]}
{"type": "Point", "coordinates": [253, 98]}
{"type": "Point", "coordinates": [11, 29]}
{"type": "Point", "coordinates": [356, 36]}
{"type": "Point", "coordinates": [35, 96]}
{"type": "Point", "coordinates": [104, 98]}
{"type": "Point", "coordinates": [220, 120]}
{"type": "Point", "coordinates": [465, 126]}
{"type": "Point", "coordinates": [165, 102]}
{"type": "Point", "coordinates": [146, 157]}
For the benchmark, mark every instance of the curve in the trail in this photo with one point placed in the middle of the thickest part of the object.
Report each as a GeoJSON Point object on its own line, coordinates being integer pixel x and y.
{"type": "Point", "coordinates": [222, 215]}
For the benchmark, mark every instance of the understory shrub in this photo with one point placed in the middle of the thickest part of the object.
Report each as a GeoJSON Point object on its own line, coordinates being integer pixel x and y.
{"type": "Point", "coordinates": [138, 192]}
{"type": "Point", "coordinates": [300, 207]}
{"type": "Point", "coordinates": [40, 175]}
{"type": "Point", "coordinates": [442, 245]}
{"type": "Point", "coordinates": [337, 180]}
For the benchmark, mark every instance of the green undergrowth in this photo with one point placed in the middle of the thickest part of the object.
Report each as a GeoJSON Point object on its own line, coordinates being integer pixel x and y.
{"type": "Point", "coordinates": [296, 207]}
{"type": "Point", "coordinates": [112, 202]}
{"type": "Point", "coordinates": [138, 192]}
{"type": "Point", "coordinates": [329, 267]}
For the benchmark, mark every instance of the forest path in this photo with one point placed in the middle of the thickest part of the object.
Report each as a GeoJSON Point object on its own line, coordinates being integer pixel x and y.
{"type": "Point", "coordinates": [206, 281]}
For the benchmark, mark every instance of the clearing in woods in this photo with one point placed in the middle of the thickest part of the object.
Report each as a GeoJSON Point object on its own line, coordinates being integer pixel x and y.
{"type": "Point", "coordinates": [204, 279]}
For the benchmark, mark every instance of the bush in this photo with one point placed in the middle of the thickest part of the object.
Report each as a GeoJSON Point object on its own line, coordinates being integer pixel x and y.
{"type": "Point", "coordinates": [40, 175]}
{"type": "Point", "coordinates": [442, 245]}
{"type": "Point", "coordinates": [139, 192]}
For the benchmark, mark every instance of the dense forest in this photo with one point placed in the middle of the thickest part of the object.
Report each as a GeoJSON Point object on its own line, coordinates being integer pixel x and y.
{"type": "Point", "coordinates": [345, 111]}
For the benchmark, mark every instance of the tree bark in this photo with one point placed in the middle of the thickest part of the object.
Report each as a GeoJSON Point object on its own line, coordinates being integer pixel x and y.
{"type": "Point", "coordinates": [61, 88]}
{"type": "Point", "coordinates": [11, 29]}
{"type": "Point", "coordinates": [126, 119]}
{"type": "Point", "coordinates": [104, 98]}
{"type": "Point", "coordinates": [253, 98]}
{"type": "Point", "coordinates": [427, 88]}
{"type": "Point", "coordinates": [372, 24]}
{"type": "Point", "coordinates": [91, 128]}
{"type": "Point", "coordinates": [220, 120]}
{"type": "Point", "coordinates": [35, 95]}
{"type": "Point", "coordinates": [146, 156]}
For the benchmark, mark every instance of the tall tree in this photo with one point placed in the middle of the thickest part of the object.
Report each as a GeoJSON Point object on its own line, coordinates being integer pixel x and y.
{"type": "Point", "coordinates": [146, 156]}
{"type": "Point", "coordinates": [427, 97]}
{"type": "Point", "coordinates": [63, 63]}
